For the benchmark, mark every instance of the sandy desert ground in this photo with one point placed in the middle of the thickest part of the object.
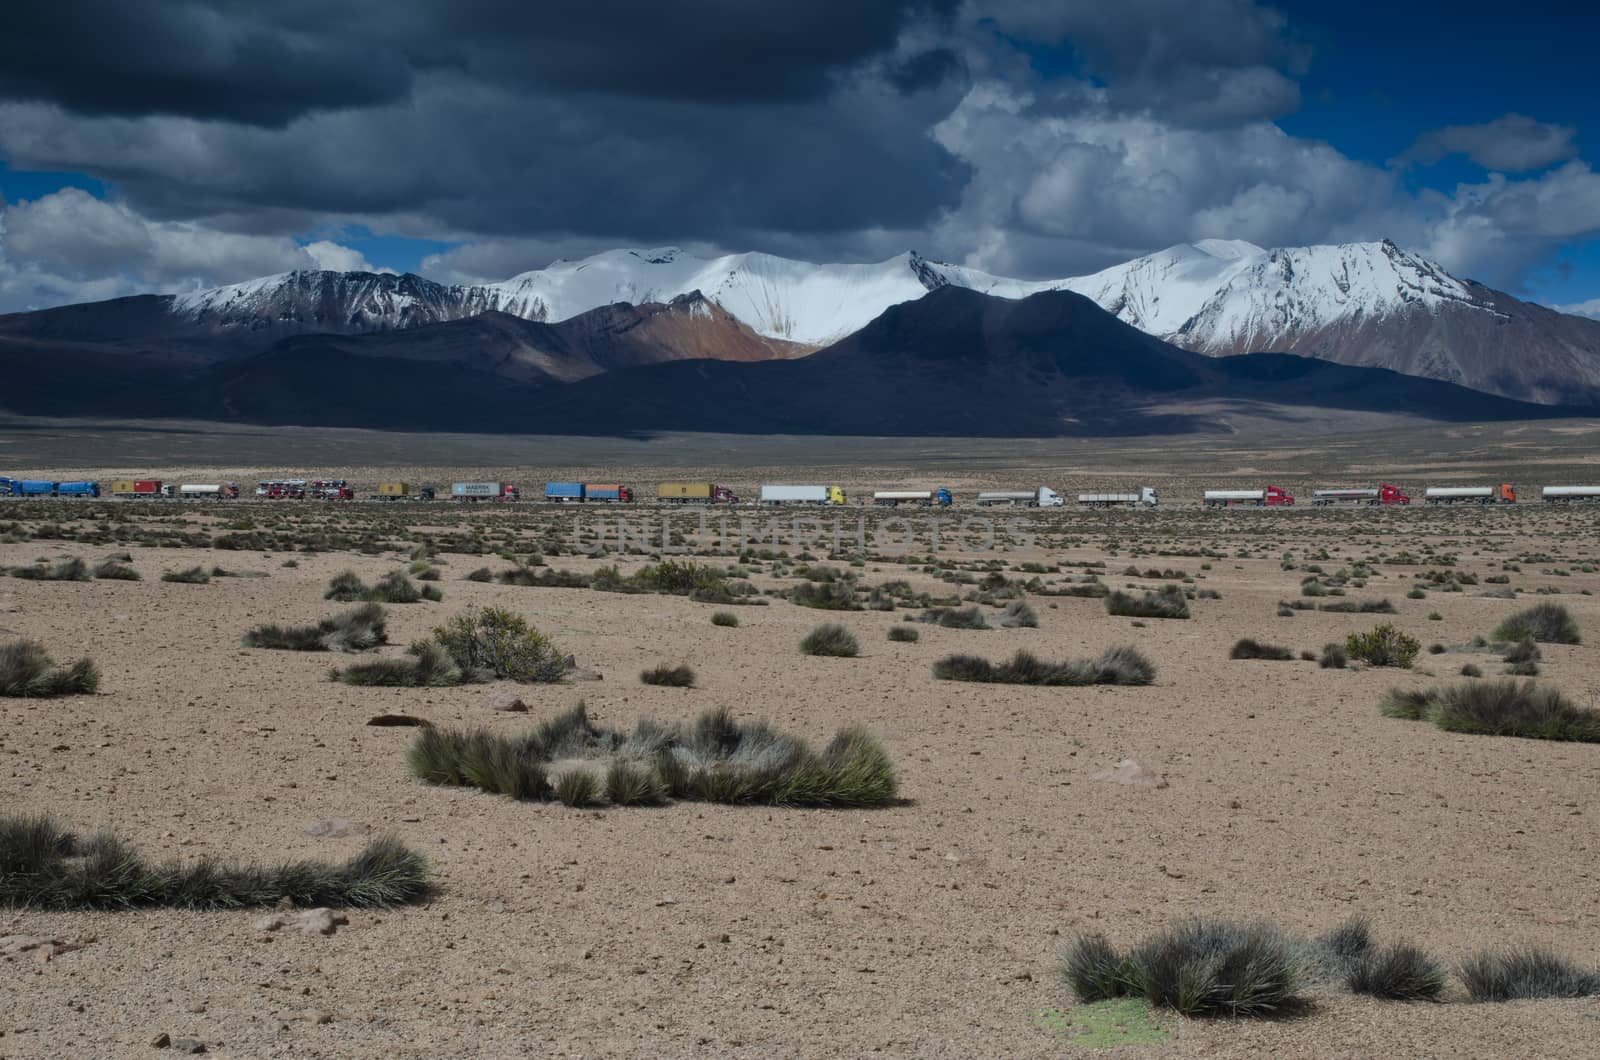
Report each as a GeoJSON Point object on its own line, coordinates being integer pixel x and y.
{"type": "Point", "coordinates": [929, 928]}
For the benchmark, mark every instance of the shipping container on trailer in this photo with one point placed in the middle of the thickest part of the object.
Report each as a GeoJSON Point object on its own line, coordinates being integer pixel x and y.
{"type": "Point", "coordinates": [393, 490]}
{"type": "Point", "coordinates": [925, 498]}
{"type": "Point", "coordinates": [1144, 495]}
{"type": "Point", "coordinates": [563, 491]}
{"type": "Point", "coordinates": [802, 495]}
{"type": "Point", "coordinates": [607, 491]}
{"type": "Point", "coordinates": [136, 487]}
{"type": "Point", "coordinates": [77, 489]}
{"type": "Point", "coordinates": [29, 487]}
{"type": "Point", "coordinates": [695, 493]}
{"type": "Point", "coordinates": [484, 491]}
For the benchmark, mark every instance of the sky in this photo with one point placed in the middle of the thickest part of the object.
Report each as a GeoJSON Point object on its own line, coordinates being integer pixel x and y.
{"type": "Point", "coordinates": [177, 144]}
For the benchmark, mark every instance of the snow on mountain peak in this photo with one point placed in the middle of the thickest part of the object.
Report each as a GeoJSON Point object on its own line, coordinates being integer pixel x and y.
{"type": "Point", "coordinates": [1232, 249]}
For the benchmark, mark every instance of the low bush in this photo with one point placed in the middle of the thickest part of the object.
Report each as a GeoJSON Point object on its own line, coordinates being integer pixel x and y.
{"type": "Point", "coordinates": [28, 672]}
{"type": "Point", "coordinates": [1546, 623]}
{"type": "Point", "coordinates": [904, 634]}
{"type": "Point", "coordinates": [955, 618]}
{"type": "Point", "coordinates": [346, 587]}
{"type": "Point", "coordinates": [1017, 614]}
{"type": "Point", "coordinates": [831, 640]}
{"type": "Point", "coordinates": [358, 629]}
{"type": "Point", "coordinates": [501, 643]}
{"type": "Point", "coordinates": [1169, 602]}
{"type": "Point", "coordinates": [482, 574]}
{"type": "Point", "coordinates": [1333, 657]}
{"type": "Point", "coordinates": [1469, 670]}
{"type": "Point", "coordinates": [713, 759]}
{"type": "Point", "coordinates": [1523, 651]}
{"type": "Point", "coordinates": [1249, 648]}
{"type": "Point", "coordinates": [832, 595]}
{"type": "Point", "coordinates": [191, 576]}
{"type": "Point", "coordinates": [1399, 972]}
{"type": "Point", "coordinates": [543, 579]}
{"type": "Point", "coordinates": [1497, 708]}
{"type": "Point", "coordinates": [1359, 607]}
{"type": "Point", "coordinates": [425, 665]}
{"type": "Point", "coordinates": [394, 588]}
{"type": "Point", "coordinates": [724, 618]}
{"type": "Point", "coordinates": [43, 866]}
{"type": "Point", "coordinates": [1383, 646]}
{"type": "Point", "coordinates": [576, 787]}
{"type": "Point", "coordinates": [62, 570]}
{"type": "Point", "coordinates": [1197, 968]}
{"type": "Point", "coordinates": [114, 568]}
{"type": "Point", "coordinates": [1116, 666]}
{"type": "Point", "coordinates": [1525, 973]}
{"type": "Point", "coordinates": [670, 676]}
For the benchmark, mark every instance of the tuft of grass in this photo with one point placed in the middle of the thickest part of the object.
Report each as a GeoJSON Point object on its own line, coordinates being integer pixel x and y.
{"type": "Point", "coordinates": [358, 629]}
{"type": "Point", "coordinates": [425, 665]}
{"type": "Point", "coordinates": [1169, 602]}
{"type": "Point", "coordinates": [346, 587]}
{"type": "Point", "coordinates": [43, 866]}
{"type": "Point", "coordinates": [724, 618]}
{"type": "Point", "coordinates": [1525, 973]}
{"type": "Point", "coordinates": [1359, 607]}
{"type": "Point", "coordinates": [1348, 941]}
{"type": "Point", "coordinates": [904, 634]}
{"type": "Point", "coordinates": [1383, 646]}
{"type": "Point", "coordinates": [1546, 623]}
{"type": "Point", "coordinates": [577, 787]}
{"type": "Point", "coordinates": [113, 568]}
{"type": "Point", "coordinates": [1116, 666]}
{"type": "Point", "coordinates": [832, 595]}
{"type": "Point", "coordinates": [1405, 704]}
{"type": "Point", "coordinates": [482, 574]}
{"type": "Point", "coordinates": [72, 569]}
{"type": "Point", "coordinates": [630, 784]}
{"type": "Point", "coordinates": [1523, 651]}
{"type": "Point", "coordinates": [191, 576]}
{"type": "Point", "coordinates": [955, 618]}
{"type": "Point", "coordinates": [830, 639]}
{"type": "Point", "coordinates": [1513, 708]}
{"type": "Point", "coordinates": [671, 676]}
{"type": "Point", "coordinates": [1470, 670]}
{"type": "Point", "coordinates": [394, 588]}
{"type": "Point", "coordinates": [1333, 657]}
{"type": "Point", "coordinates": [1017, 614]}
{"type": "Point", "coordinates": [1399, 972]}
{"type": "Point", "coordinates": [1198, 968]}
{"type": "Point", "coordinates": [27, 671]}
{"type": "Point", "coordinates": [1249, 648]}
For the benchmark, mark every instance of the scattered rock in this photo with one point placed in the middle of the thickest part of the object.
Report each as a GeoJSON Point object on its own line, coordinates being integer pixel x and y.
{"type": "Point", "coordinates": [319, 921]}
{"type": "Point", "coordinates": [399, 719]}
{"type": "Point", "coordinates": [161, 1041]}
{"type": "Point", "coordinates": [191, 1046]}
{"type": "Point", "coordinates": [43, 949]}
{"type": "Point", "coordinates": [505, 703]}
{"type": "Point", "coordinates": [1132, 774]}
{"type": "Point", "coordinates": [320, 1018]}
{"type": "Point", "coordinates": [336, 827]}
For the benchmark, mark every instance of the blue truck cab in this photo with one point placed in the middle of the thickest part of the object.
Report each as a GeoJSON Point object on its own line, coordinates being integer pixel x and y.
{"type": "Point", "coordinates": [943, 498]}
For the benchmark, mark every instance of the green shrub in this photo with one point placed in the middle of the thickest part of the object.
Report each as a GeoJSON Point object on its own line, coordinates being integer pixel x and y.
{"type": "Point", "coordinates": [670, 676]}
{"type": "Point", "coordinates": [830, 595]}
{"type": "Point", "coordinates": [1197, 968]}
{"type": "Point", "coordinates": [1333, 656]}
{"type": "Point", "coordinates": [1169, 602]}
{"type": "Point", "coordinates": [1116, 666]}
{"type": "Point", "coordinates": [904, 634]}
{"type": "Point", "coordinates": [577, 787]}
{"type": "Point", "coordinates": [832, 640]}
{"type": "Point", "coordinates": [501, 643]}
{"type": "Point", "coordinates": [191, 576]}
{"type": "Point", "coordinates": [724, 618]}
{"type": "Point", "coordinates": [1525, 973]}
{"type": "Point", "coordinates": [27, 671]}
{"type": "Point", "coordinates": [1249, 648]}
{"type": "Point", "coordinates": [1095, 970]}
{"type": "Point", "coordinates": [1383, 646]}
{"type": "Point", "coordinates": [42, 866]}
{"type": "Point", "coordinates": [1546, 623]}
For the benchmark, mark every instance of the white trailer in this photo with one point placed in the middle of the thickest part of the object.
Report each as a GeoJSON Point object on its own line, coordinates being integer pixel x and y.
{"type": "Point", "coordinates": [925, 498]}
{"type": "Point", "coordinates": [1344, 495]}
{"type": "Point", "coordinates": [1234, 496]}
{"type": "Point", "coordinates": [189, 489]}
{"type": "Point", "coordinates": [1146, 495]}
{"type": "Point", "coordinates": [1504, 493]}
{"type": "Point", "coordinates": [1571, 493]}
{"type": "Point", "coordinates": [475, 490]}
{"type": "Point", "coordinates": [802, 495]}
{"type": "Point", "coordinates": [1043, 497]}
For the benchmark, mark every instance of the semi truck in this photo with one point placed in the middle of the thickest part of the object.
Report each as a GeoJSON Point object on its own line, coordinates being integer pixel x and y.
{"type": "Point", "coordinates": [587, 491]}
{"type": "Point", "coordinates": [1504, 493]}
{"type": "Point", "coordinates": [1384, 494]}
{"type": "Point", "coordinates": [484, 491]}
{"type": "Point", "coordinates": [695, 493]}
{"type": "Point", "coordinates": [203, 491]}
{"type": "Point", "coordinates": [563, 491]}
{"type": "Point", "coordinates": [1553, 494]}
{"type": "Point", "coordinates": [403, 491]}
{"type": "Point", "coordinates": [1267, 497]}
{"type": "Point", "coordinates": [926, 498]}
{"type": "Point", "coordinates": [1145, 495]}
{"type": "Point", "coordinates": [1043, 497]}
{"type": "Point", "coordinates": [28, 487]}
{"type": "Point", "coordinates": [802, 495]}
{"type": "Point", "coordinates": [77, 489]}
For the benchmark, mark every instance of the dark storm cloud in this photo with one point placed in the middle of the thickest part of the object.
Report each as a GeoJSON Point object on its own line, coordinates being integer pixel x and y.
{"type": "Point", "coordinates": [267, 64]}
{"type": "Point", "coordinates": [1514, 143]}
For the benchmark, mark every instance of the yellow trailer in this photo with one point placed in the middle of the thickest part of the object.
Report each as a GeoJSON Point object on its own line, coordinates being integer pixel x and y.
{"type": "Point", "coordinates": [393, 489]}
{"type": "Point", "coordinates": [684, 491]}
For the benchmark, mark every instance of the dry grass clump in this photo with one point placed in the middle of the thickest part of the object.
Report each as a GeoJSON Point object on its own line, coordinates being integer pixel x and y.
{"type": "Point", "coordinates": [714, 759]}
{"type": "Point", "coordinates": [1359, 607]}
{"type": "Point", "coordinates": [1250, 648]}
{"type": "Point", "coordinates": [1526, 973]}
{"type": "Point", "coordinates": [1168, 602]}
{"type": "Point", "coordinates": [72, 569]}
{"type": "Point", "coordinates": [190, 576]}
{"type": "Point", "coordinates": [837, 594]}
{"type": "Point", "coordinates": [955, 618]}
{"type": "Point", "coordinates": [425, 665]}
{"type": "Point", "coordinates": [1546, 623]}
{"type": "Point", "coordinates": [1017, 614]}
{"type": "Point", "coordinates": [28, 672]}
{"type": "Point", "coordinates": [1333, 657]}
{"type": "Point", "coordinates": [1497, 708]}
{"type": "Point", "coordinates": [358, 629]}
{"type": "Point", "coordinates": [1397, 972]}
{"type": "Point", "coordinates": [681, 676]}
{"type": "Point", "coordinates": [43, 866]}
{"type": "Point", "coordinates": [724, 618]}
{"type": "Point", "coordinates": [478, 645]}
{"type": "Point", "coordinates": [904, 634]}
{"type": "Point", "coordinates": [542, 579]}
{"type": "Point", "coordinates": [831, 639]}
{"type": "Point", "coordinates": [116, 568]}
{"type": "Point", "coordinates": [1115, 666]}
{"type": "Point", "coordinates": [1197, 968]}
{"type": "Point", "coordinates": [1383, 646]}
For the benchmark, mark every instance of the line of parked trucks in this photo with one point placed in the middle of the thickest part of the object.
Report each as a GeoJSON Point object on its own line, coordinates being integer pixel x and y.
{"type": "Point", "coordinates": [773, 495]}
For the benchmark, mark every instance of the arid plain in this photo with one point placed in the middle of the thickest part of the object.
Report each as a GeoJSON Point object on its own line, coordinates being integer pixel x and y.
{"type": "Point", "coordinates": [931, 926]}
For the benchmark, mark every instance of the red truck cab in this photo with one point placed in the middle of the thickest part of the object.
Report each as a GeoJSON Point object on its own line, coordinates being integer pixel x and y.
{"type": "Point", "coordinates": [1388, 494]}
{"type": "Point", "coordinates": [1277, 496]}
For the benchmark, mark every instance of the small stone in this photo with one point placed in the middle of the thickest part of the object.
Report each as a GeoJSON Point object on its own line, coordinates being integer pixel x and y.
{"type": "Point", "coordinates": [321, 921]}
{"type": "Point", "coordinates": [320, 1018]}
{"type": "Point", "coordinates": [191, 1046]}
{"type": "Point", "coordinates": [336, 828]}
{"type": "Point", "coordinates": [399, 719]}
{"type": "Point", "coordinates": [271, 922]}
{"type": "Point", "coordinates": [197, 1007]}
{"type": "Point", "coordinates": [505, 703]}
{"type": "Point", "coordinates": [161, 1041]}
